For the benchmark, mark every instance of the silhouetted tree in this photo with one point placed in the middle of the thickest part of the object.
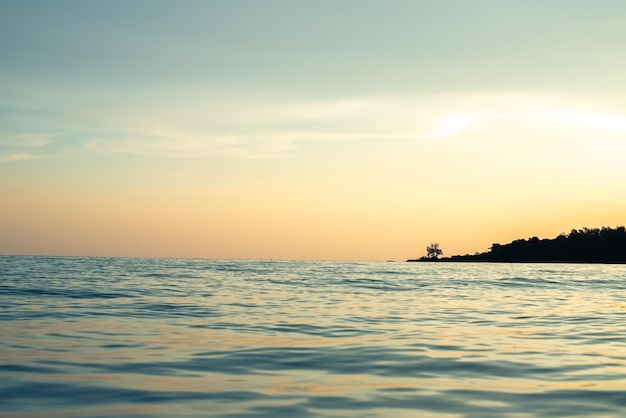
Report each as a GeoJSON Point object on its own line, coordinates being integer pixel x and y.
{"type": "Point", "coordinates": [433, 251]}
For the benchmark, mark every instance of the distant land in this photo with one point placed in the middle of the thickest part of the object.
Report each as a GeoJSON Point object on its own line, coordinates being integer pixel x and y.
{"type": "Point", "coordinates": [586, 245]}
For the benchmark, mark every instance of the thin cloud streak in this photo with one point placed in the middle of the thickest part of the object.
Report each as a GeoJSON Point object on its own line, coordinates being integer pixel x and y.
{"type": "Point", "coordinates": [197, 129]}
{"type": "Point", "coordinates": [279, 144]}
{"type": "Point", "coordinates": [453, 125]}
{"type": "Point", "coordinates": [15, 156]}
{"type": "Point", "coordinates": [25, 140]}
{"type": "Point", "coordinates": [591, 121]}
{"type": "Point", "coordinates": [18, 147]}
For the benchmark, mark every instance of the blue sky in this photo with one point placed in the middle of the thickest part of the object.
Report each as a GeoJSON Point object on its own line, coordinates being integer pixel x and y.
{"type": "Point", "coordinates": [62, 57]}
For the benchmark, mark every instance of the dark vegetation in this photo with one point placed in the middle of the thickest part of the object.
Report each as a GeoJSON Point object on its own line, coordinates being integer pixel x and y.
{"type": "Point", "coordinates": [587, 245]}
{"type": "Point", "coordinates": [433, 251]}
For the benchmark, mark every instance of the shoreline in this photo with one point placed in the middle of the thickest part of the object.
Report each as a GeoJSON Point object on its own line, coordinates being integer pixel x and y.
{"type": "Point", "coordinates": [513, 261]}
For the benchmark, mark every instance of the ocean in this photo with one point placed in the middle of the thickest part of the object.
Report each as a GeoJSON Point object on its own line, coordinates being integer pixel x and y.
{"type": "Point", "coordinates": [131, 337]}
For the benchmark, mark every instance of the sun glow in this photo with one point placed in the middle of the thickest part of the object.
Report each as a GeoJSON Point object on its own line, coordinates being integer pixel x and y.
{"type": "Point", "coordinates": [454, 124]}
{"type": "Point", "coordinates": [451, 124]}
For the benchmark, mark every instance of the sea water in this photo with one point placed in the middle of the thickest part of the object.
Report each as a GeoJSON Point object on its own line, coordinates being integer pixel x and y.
{"type": "Point", "coordinates": [97, 337]}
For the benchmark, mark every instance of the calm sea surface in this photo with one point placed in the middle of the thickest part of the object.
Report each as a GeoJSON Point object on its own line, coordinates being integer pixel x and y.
{"type": "Point", "coordinates": [95, 337]}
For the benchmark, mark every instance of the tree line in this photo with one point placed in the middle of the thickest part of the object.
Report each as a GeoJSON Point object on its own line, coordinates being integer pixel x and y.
{"type": "Point", "coordinates": [586, 245]}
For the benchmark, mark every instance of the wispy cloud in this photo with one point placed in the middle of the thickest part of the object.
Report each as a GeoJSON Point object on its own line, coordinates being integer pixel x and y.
{"type": "Point", "coordinates": [27, 140]}
{"type": "Point", "coordinates": [15, 156]}
{"type": "Point", "coordinates": [277, 143]}
{"type": "Point", "coordinates": [198, 125]}
{"type": "Point", "coordinates": [454, 124]}
{"type": "Point", "coordinates": [180, 144]}
{"type": "Point", "coordinates": [580, 120]}
{"type": "Point", "coordinates": [18, 147]}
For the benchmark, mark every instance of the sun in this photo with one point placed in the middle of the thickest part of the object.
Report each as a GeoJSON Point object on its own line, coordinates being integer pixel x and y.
{"type": "Point", "coordinates": [451, 124]}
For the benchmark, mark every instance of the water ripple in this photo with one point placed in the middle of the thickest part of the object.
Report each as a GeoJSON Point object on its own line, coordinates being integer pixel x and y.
{"type": "Point", "coordinates": [98, 337]}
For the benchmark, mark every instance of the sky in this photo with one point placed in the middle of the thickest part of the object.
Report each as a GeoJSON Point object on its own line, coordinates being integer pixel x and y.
{"type": "Point", "coordinates": [312, 130]}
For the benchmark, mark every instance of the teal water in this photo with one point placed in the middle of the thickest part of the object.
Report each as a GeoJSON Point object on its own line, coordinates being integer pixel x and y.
{"type": "Point", "coordinates": [99, 337]}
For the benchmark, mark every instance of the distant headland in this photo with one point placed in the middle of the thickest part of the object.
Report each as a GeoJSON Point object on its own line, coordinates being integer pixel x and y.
{"type": "Point", "coordinates": [586, 245]}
